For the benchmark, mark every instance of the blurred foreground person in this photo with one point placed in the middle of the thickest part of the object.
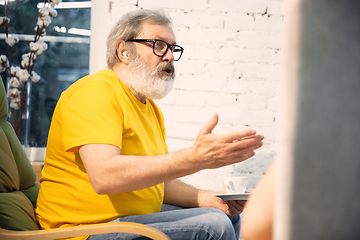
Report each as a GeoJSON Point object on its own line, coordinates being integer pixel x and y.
{"type": "Point", "coordinates": [257, 221]}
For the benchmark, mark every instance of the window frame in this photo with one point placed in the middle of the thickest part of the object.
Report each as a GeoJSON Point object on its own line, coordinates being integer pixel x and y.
{"type": "Point", "coordinates": [99, 25]}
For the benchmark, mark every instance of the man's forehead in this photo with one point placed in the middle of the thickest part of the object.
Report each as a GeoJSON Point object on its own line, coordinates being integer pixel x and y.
{"type": "Point", "coordinates": [157, 31]}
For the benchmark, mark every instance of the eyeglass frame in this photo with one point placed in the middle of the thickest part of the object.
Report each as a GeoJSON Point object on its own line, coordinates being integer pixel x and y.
{"type": "Point", "coordinates": [169, 46]}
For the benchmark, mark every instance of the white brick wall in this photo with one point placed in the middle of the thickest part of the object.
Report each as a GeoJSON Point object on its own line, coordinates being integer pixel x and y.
{"type": "Point", "coordinates": [230, 66]}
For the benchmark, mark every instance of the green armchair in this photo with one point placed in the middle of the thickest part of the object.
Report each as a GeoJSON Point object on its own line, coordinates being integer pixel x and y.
{"type": "Point", "coordinates": [18, 195]}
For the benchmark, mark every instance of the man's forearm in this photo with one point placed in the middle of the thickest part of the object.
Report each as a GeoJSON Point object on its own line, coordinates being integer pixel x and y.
{"type": "Point", "coordinates": [114, 173]}
{"type": "Point", "coordinates": [181, 194]}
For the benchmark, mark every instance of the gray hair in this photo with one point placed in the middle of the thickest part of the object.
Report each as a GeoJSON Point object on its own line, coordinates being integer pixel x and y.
{"type": "Point", "coordinates": [129, 27]}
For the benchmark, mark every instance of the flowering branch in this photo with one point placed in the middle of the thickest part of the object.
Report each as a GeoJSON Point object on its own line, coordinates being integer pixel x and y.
{"type": "Point", "coordinates": [20, 77]}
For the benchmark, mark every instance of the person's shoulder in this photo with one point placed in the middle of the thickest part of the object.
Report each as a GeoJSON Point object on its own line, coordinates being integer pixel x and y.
{"type": "Point", "coordinates": [91, 82]}
{"type": "Point", "coordinates": [105, 75]}
{"type": "Point", "coordinates": [97, 78]}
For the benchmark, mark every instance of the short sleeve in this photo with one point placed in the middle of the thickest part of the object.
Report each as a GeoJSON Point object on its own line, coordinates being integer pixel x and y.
{"type": "Point", "coordinates": [91, 115]}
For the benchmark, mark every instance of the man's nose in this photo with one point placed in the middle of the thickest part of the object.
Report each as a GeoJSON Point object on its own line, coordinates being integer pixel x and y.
{"type": "Point", "coordinates": [169, 56]}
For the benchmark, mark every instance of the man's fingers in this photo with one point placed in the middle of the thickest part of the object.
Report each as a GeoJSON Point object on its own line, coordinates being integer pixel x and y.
{"type": "Point", "coordinates": [210, 125]}
{"type": "Point", "coordinates": [237, 136]}
{"type": "Point", "coordinates": [255, 140]}
{"type": "Point", "coordinates": [234, 210]}
{"type": "Point", "coordinates": [235, 207]}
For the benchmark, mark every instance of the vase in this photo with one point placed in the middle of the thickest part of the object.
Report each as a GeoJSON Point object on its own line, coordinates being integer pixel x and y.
{"type": "Point", "coordinates": [21, 126]}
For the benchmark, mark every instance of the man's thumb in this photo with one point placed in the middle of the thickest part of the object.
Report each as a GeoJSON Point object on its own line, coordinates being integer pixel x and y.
{"type": "Point", "coordinates": [210, 125]}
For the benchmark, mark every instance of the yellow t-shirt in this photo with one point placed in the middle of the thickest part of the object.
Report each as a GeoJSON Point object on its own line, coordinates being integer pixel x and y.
{"type": "Point", "coordinates": [97, 109]}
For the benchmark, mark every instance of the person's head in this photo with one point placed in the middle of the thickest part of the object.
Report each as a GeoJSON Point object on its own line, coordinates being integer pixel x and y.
{"type": "Point", "coordinates": [143, 42]}
{"type": "Point", "coordinates": [129, 27]}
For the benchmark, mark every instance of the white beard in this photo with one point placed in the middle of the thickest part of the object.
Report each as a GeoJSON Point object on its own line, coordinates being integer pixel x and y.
{"type": "Point", "coordinates": [148, 83]}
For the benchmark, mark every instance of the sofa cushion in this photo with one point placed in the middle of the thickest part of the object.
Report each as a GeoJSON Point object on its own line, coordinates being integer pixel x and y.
{"type": "Point", "coordinates": [18, 190]}
{"type": "Point", "coordinates": [12, 151]}
{"type": "Point", "coordinates": [3, 102]}
{"type": "Point", "coordinates": [32, 193]}
{"type": "Point", "coordinates": [9, 174]}
{"type": "Point", "coordinates": [16, 212]}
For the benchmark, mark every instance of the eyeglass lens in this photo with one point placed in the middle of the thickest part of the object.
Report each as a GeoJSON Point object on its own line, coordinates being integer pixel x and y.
{"type": "Point", "coordinates": [161, 47]}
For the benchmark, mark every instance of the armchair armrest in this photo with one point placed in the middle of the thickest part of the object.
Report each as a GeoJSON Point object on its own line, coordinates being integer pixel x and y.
{"type": "Point", "coordinates": [93, 229]}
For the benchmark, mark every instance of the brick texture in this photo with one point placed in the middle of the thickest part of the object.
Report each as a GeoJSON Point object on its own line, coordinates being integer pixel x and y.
{"type": "Point", "coordinates": [230, 66]}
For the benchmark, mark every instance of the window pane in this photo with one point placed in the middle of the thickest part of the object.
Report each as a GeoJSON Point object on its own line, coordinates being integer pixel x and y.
{"type": "Point", "coordinates": [65, 61]}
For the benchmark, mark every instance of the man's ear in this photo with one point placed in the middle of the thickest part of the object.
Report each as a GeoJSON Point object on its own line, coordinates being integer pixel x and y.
{"type": "Point", "coordinates": [121, 53]}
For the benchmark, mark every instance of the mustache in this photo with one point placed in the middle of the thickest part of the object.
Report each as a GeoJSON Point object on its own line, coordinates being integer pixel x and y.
{"type": "Point", "coordinates": [167, 66]}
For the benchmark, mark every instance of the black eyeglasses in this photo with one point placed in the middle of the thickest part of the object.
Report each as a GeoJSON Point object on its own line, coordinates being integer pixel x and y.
{"type": "Point", "coordinates": [161, 47]}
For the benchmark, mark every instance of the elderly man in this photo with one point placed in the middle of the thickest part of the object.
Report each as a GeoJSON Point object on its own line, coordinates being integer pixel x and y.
{"type": "Point", "coordinates": [107, 159]}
